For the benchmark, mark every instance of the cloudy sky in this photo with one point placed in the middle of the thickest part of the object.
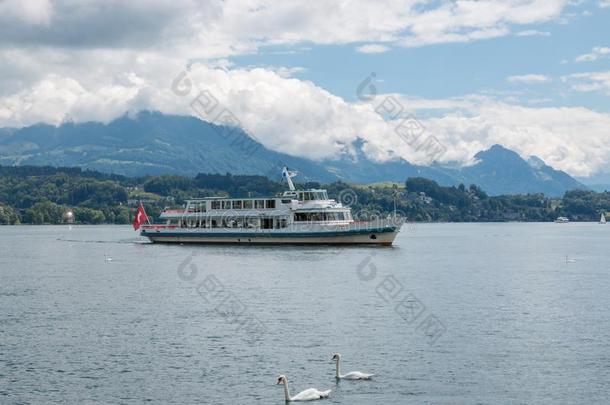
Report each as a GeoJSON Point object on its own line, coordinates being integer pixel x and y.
{"type": "Point", "coordinates": [309, 78]}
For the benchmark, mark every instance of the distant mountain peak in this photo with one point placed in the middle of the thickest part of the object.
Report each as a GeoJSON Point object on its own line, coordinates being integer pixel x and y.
{"type": "Point", "coordinates": [497, 151]}
{"type": "Point", "coordinates": [150, 142]}
{"type": "Point", "coordinates": [536, 162]}
{"type": "Point", "coordinates": [502, 171]}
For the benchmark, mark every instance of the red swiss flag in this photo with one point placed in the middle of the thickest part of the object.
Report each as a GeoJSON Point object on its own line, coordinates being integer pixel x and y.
{"type": "Point", "coordinates": [140, 217]}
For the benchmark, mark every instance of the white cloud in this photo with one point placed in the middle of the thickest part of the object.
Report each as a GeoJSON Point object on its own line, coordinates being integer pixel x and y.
{"type": "Point", "coordinates": [300, 118]}
{"type": "Point", "coordinates": [533, 33]}
{"type": "Point", "coordinates": [572, 139]}
{"type": "Point", "coordinates": [604, 3]}
{"type": "Point", "coordinates": [223, 28]}
{"type": "Point", "coordinates": [530, 78]}
{"type": "Point", "coordinates": [289, 71]}
{"type": "Point", "coordinates": [467, 21]}
{"type": "Point", "coordinates": [72, 39]}
{"type": "Point", "coordinates": [56, 66]}
{"type": "Point", "coordinates": [596, 53]}
{"type": "Point", "coordinates": [372, 48]}
{"type": "Point", "coordinates": [541, 100]}
{"type": "Point", "coordinates": [29, 12]}
{"type": "Point", "coordinates": [589, 81]}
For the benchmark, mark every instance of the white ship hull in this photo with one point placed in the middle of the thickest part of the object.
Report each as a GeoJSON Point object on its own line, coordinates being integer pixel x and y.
{"type": "Point", "coordinates": [369, 234]}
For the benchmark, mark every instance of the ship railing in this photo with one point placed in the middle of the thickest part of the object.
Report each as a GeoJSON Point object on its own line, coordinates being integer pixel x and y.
{"type": "Point", "coordinates": [181, 211]}
{"type": "Point", "coordinates": [154, 227]}
{"type": "Point", "coordinates": [392, 221]}
{"type": "Point", "coordinates": [377, 223]}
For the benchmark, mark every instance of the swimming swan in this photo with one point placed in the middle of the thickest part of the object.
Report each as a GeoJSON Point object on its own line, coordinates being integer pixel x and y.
{"type": "Point", "coordinates": [310, 394]}
{"type": "Point", "coordinates": [354, 375]}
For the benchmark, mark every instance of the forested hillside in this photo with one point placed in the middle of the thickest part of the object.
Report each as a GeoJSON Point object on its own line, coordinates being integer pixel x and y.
{"type": "Point", "coordinates": [46, 195]}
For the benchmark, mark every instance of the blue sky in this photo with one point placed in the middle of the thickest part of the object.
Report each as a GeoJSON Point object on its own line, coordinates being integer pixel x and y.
{"type": "Point", "coordinates": [458, 69]}
{"type": "Point", "coordinates": [532, 75]}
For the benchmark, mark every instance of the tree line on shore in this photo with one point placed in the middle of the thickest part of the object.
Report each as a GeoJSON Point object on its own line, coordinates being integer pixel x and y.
{"type": "Point", "coordinates": [46, 195]}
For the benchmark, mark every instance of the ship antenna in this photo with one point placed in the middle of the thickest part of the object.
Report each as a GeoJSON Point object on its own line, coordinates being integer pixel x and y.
{"type": "Point", "coordinates": [288, 175]}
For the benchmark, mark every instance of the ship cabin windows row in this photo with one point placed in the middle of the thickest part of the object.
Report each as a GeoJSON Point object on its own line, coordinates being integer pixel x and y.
{"type": "Point", "coordinates": [197, 207]}
{"type": "Point", "coordinates": [312, 195]}
{"type": "Point", "coordinates": [320, 216]}
{"type": "Point", "coordinates": [237, 223]}
{"type": "Point", "coordinates": [242, 204]}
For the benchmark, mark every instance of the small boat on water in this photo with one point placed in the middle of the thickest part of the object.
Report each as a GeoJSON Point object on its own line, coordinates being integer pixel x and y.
{"type": "Point", "coordinates": [602, 219]}
{"type": "Point", "coordinates": [562, 220]}
{"type": "Point", "coordinates": [293, 217]}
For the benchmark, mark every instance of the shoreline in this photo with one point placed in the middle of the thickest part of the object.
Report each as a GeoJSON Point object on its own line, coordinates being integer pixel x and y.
{"type": "Point", "coordinates": [406, 223]}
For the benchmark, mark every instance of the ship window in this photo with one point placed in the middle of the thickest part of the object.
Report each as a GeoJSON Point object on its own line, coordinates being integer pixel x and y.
{"type": "Point", "coordinates": [215, 205]}
{"type": "Point", "coordinates": [226, 205]}
{"type": "Point", "coordinates": [237, 205]}
{"type": "Point", "coordinates": [317, 195]}
{"type": "Point", "coordinates": [259, 204]}
{"type": "Point", "coordinates": [279, 223]}
{"type": "Point", "coordinates": [247, 204]}
{"type": "Point", "coordinates": [318, 216]}
{"type": "Point", "coordinates": [286, 201]}
{"type": "Point", "coordinates": [305, 196]}
{"type": "Point", "coordinates": [270, 204]}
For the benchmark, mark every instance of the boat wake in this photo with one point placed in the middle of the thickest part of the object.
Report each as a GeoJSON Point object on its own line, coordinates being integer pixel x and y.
{"type": "Point", "coordinates": [120, 242]}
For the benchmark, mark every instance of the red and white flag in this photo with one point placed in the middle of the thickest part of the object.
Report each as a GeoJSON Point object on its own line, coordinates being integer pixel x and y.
{"type": "Point", "coordinates": [140, 218]}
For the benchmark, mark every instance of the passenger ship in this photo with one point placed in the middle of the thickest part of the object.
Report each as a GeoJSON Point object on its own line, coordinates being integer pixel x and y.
{"type": "Point", "coordinates": [293, 217]}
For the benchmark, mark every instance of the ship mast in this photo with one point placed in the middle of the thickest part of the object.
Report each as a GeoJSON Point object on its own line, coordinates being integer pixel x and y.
{"type": "Point", "coordinates": [288, 175]}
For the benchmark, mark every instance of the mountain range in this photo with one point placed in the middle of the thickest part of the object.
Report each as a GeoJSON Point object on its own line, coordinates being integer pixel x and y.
{"type": "Point", "coordinates": [155, 143]}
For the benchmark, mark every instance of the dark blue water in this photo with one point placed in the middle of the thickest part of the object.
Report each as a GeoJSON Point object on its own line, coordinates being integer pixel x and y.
{"type": "Point", "coordinates": [453, 314]}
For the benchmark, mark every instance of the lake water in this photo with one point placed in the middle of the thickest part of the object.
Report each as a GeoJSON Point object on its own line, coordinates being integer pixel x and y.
{"type": "Point", "coordinates": [452, 314]}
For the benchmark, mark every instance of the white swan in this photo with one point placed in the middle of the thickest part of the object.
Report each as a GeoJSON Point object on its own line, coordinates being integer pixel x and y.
{"type": "Point", "coordinates": [354, 375]}
{"type": "Point", "coordinates": [310, 394]}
